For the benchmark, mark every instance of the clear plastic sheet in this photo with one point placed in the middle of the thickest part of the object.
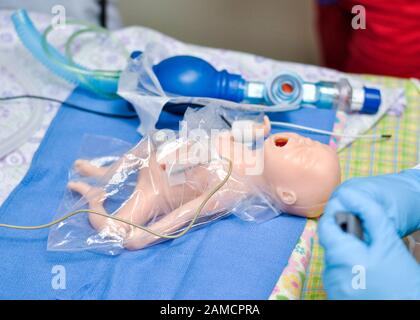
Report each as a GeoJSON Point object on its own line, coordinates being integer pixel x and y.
{"type": "Point", "coordinates": [168, 182]}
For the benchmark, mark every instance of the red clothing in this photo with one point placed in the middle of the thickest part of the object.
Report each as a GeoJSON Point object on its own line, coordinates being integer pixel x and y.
{"type": "Point", "coordinates": [390, 44]}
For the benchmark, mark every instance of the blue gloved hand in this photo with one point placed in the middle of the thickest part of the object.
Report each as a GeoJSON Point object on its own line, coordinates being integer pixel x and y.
{"type": "Point", "coordinates": [397, 194]}
{"type": "Point", "coordinates": [381, 268]}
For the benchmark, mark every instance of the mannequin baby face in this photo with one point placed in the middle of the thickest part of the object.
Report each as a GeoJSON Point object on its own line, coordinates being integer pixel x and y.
{"type": "Point", "coordinates": [301, 172]}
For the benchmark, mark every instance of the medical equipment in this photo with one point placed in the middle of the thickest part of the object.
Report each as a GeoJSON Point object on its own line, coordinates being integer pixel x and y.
{"type": "Point", "coordinates": [350, 223]}
{"type": "Point", "coordinates": [117, 109]}
{"type": "Point", "coordinates": [141, 86]}
{"type": "Point", "coordinates": [194, 77]}
{"type": "Point", "coordinates": [102, 79]}
{"type": "Point", "coordinates": [291, 89]}
{"type": "Point", "coordinates": [288, 125]}
{"type": "Point", "coordinates": [103, 82]}
{"type": "Point", "coordinates": [99, 81]}
{"type": "Point", "coordinates": [383, 136]}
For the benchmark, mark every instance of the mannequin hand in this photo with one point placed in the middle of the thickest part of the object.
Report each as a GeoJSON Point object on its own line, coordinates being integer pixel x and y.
{"type": "Point", "coordinates": [382, 268]}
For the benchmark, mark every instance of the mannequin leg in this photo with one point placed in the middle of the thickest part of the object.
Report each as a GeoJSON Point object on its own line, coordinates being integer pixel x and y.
{"type": "Point", "coordinates": [175, 220]}
{"type": "Point", "coordinates": [138, 209]}
{"type": "Point", "coordinates": [95, 198]}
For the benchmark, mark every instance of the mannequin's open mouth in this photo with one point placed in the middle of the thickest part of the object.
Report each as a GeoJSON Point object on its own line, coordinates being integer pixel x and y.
{"type": "Point", "coordinates": [281, 141]}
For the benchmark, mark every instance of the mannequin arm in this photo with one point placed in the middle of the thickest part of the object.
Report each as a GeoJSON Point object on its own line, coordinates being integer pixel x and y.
{"type": "Point", "coordinates": [266, 126]}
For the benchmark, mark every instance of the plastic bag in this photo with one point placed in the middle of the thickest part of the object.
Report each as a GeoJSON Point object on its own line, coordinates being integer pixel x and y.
{"type": "Point", "coordinates": [167, 184]}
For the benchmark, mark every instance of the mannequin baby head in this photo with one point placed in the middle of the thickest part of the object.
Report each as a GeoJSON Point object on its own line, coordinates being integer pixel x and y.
{"type": "Point", "coordinates": [301, 173]}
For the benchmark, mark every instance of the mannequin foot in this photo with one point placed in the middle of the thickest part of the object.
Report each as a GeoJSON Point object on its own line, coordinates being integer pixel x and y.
{"type": "Point", "coordinates": [85, 168]}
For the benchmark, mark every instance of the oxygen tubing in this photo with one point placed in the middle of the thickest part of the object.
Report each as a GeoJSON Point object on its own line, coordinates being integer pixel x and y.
{"type": "Point", "coordinates": [74, 73]}
{"type": "Point", "coordinates": [86, 75]}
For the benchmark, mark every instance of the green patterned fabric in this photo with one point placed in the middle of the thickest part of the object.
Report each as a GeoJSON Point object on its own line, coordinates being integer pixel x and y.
{"type": "Point", "coordinates": [364, 158]}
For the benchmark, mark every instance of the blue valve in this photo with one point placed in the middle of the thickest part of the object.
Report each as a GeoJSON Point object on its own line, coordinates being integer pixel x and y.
{"type": "Point", "coordinates": [341, 95]}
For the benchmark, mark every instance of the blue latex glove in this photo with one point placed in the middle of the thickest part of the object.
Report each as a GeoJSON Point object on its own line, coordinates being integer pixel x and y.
{"type": "Point", "coordinates": [397, 194]}
{"type": "Point", "coordinates": [388, 207]}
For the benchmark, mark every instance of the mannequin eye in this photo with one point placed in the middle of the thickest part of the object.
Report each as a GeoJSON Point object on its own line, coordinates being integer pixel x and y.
{"type": "Point", "coordinates": [281, 141]}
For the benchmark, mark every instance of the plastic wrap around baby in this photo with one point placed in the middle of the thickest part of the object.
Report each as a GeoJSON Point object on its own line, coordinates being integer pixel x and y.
{"type": "Point", "coordinates": [299, 173]}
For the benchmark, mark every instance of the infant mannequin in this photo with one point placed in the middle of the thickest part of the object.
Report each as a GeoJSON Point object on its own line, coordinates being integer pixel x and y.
{"type": "Point", "coordinates": [297, 172]}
